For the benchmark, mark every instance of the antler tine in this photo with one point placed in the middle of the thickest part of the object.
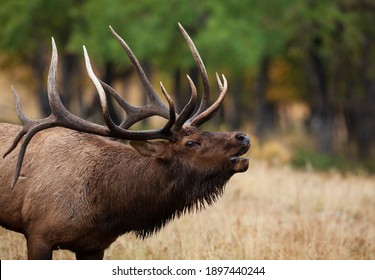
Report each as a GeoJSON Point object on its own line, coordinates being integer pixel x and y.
{"type": "Point", "coordinates": [172, 114]}
{"type": "Point", "coordinates": [102, 97]}
{"type": "Point", "coordinates": [202, 70]}
{"type": "Point", "coordinates": [133, 113]}
{"type": "Point", "coordinates": [120, 131]}
{"type": "Point", "coordinates": [204, 112]}
{"type": "Point", "coordinates": [161, 110]}
{"type": "Point", "coordinates": [211, 111]}
{"type": "Point", "coordinates": [58, 117]}
{"type": "Point", "coordinates": [24, 119]}
{"type": "Point", "coordinates": [53, 93]}
{"type": "Point", "coordinates": [189, 108]}
{"type": "Point", "coordinates": [31, 127]}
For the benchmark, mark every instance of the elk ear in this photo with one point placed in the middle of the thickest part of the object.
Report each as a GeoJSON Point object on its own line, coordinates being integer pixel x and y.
{"type": "Point", "coordinates": [149, 148]}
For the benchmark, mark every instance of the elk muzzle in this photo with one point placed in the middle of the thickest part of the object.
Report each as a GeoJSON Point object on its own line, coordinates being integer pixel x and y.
{"type": "Point", "coordinates": [238, 163]}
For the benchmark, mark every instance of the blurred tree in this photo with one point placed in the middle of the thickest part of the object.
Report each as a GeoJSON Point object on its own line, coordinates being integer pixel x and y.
{"type": "Point", "coordinates": [330, 44]}
{"type": "Point", "coordinates": [150, 28]}
{"type": "Point", "coordinates": [334, 40]}
{"type": "Point", "coordinates": [243, 36]}
{"type": "Point", "coordinates": [357, 35]}
{"type": "Point", "coordinates": [231, 36]}
{"type": "Point", "coordinates": [25, 33]}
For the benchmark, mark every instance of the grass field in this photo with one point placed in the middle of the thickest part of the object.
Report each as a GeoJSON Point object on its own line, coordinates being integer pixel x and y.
{"type": "Point", "coordinates": [266, 213]}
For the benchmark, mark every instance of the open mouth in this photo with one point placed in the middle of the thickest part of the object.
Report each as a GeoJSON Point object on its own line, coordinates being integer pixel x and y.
{"type": "Point", "coordinates": [240, 164]}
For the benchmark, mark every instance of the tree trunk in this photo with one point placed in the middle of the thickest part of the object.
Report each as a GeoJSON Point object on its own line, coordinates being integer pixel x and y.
{"type": "Point", "coordinates": [71, 83]}
{"type": "Point", "coordinates": [265, 112]}
{"type": "Point", "coordinates": [178, 96]}
{"type": "Point", "coordinates": [38, 65]}
{"type": "Point", "coordinates": [359, 110]}
{"type": "Point", "coordinates": [94, 108]}
{"type": "Point", "coordinates": [236, 108]}
{"type": "Point", "coordinates": [109, 77]}
{"type": "Point", "coordinates": [322, 110]}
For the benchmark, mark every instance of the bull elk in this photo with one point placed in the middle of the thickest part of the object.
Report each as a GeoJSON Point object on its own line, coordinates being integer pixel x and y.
{"type": "Point", "coordinates": [75, 186]}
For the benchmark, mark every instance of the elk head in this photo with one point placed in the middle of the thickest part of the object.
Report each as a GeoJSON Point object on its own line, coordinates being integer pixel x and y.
{"type": "Point", "coordinates": [179, 136]}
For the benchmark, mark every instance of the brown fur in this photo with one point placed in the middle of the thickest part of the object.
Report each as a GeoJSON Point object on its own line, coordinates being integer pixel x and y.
{"type": "Point", "coordinates": [80, 192]}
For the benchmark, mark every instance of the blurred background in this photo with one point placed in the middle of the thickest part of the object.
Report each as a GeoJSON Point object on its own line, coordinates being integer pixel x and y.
{"type": "Point", "coordinates": [301, 73]}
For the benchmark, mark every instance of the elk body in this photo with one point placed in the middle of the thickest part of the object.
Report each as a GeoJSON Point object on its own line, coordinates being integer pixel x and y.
{"type": "Point", "coordinates": [77, 188]}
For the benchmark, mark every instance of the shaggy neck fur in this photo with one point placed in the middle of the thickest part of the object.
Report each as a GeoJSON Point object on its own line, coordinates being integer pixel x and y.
{"type": "Point", "coordinates": [167, 190]}
{"type": "Point", "coordinates": [188, 190]}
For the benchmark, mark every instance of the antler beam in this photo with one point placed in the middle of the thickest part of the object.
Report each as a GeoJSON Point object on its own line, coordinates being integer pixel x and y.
{"type": "Point", "coordinates": [60, 116]}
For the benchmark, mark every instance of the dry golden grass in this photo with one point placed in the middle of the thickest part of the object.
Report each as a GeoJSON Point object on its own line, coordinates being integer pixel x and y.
{"type": "Point", "coordinates": [268, 212]}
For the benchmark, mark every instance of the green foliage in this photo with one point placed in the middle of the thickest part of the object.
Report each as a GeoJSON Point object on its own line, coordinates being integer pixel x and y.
{"type": "Point", "coordinates": [232, 34]}
{"type": "Point", "coordinates": [233, 37]}
{"type": "Point", "coordinates": [239, 33]}
{"type": "Point", "coordinates": [304, 158]}
{"type": "Point", "coordinates": [28, 25]}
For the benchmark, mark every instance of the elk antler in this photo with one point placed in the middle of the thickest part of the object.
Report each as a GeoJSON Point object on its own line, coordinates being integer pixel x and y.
{"type": "Point", "coordinates": [203, 114]}
{"type": "Point", "coordinates": [60, 116]}
{"type": "Point", "coordinates": [155, 107]}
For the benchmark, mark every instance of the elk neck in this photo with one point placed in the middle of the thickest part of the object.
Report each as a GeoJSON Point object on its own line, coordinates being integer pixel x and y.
{"type": "Point", "coordinates": [142, 193]}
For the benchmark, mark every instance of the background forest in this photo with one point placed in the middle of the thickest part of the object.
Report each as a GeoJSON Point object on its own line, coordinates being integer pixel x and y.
{"type": "Point", "coordinates": [300, 73]}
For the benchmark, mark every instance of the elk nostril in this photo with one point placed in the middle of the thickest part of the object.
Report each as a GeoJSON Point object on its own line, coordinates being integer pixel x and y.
{"type": "Point", "coordinates": [243, 138]}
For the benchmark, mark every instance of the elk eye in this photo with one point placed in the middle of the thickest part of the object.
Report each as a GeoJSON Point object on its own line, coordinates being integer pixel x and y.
{"type": "Point", "coordinates": [191, 144]}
